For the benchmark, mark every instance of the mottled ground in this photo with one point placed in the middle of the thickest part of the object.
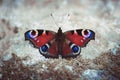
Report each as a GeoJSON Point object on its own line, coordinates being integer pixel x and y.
{"type": "Point", "coordinates": [99, 60]}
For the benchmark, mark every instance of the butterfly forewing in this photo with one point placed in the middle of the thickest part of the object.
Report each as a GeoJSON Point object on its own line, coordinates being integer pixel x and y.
{"type": "Point", "coordinates": [78, 37]}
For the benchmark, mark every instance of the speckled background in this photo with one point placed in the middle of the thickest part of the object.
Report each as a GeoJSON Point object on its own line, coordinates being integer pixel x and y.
{"type": "Point", "coordinates": [99, 60]}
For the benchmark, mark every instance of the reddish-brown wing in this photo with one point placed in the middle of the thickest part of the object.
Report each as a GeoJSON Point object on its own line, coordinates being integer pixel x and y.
{"type": "Point", "coordinates": [70, 49]}
{"type": "Point", "coordinates": [44, 41]}
{"type": "Point", "coordinates": [39, 37]}
{"type": "Point", "coordinates": [80, 37]}
{"type": "Point", "coordinates": [75, 39]}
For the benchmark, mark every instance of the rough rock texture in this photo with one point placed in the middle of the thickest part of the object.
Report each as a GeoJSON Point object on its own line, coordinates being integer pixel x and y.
{"type": "Point", "coordinates": [100, 59]}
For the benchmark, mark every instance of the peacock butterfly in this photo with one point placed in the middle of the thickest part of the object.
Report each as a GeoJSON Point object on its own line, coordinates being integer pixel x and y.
{"type": "Point", "coordinates": [53, 45]}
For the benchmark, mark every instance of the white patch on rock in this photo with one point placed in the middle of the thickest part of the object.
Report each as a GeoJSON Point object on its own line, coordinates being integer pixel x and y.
{"type": "Point", "coordinates": [70, 68]}
{"type": "Point", "coordinates": [7, 57]}
{"type": "Point", "coordinates": [91, 75]}
{"type": "Point", "coordinates": [44, 66]}
{"type": "Point", "coordinates": [115, 50]}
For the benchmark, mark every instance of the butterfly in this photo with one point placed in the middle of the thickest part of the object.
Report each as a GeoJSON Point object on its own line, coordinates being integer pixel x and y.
{"type": "Point", "coordinates": [53, 45]}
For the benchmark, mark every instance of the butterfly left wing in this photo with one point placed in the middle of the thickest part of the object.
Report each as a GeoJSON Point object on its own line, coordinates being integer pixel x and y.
{"type": "Point", "coordinates": [75, 39]}
{"type": "Point", "coordinates": [44, 41]}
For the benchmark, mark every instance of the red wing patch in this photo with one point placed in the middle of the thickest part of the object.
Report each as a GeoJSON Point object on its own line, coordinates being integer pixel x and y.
{"type": "Point", "coordinates": [80, 37]}
{"type": "Point", "coordinates": [43, 39]}
{"type": "Point", "coordinates": [66, 49]}
{"type": "Point", "coordinates": [70, 50]}
{"type": "Point", "coordinates": [75, 38]}
{"type": "Point", "coordinates": [39, 37]}
{"type": "Point", "coordinates": [53, 50]}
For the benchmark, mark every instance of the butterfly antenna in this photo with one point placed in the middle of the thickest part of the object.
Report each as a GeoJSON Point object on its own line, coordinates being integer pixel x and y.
{"type": "Point", "coordinates": [54, 20]}
{"type": "Point", "coordinates": [63, 22]}
{"type": "Point", "coordinates": [66, 19]}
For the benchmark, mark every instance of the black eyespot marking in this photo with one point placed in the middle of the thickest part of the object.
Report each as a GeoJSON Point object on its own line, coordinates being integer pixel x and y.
{"type": "Point", "coordinates": [85, 32]}
{"type": "Point", "coordinates": [72, 32]}
{"type": "Point", "coordinates": [47, 32]}
{"type": "Point", "coordinates": [40, 32]}
{"type": "Point", "coordinates": [79, 32]}
{"type": "Point", "coordinates": [33, 32]}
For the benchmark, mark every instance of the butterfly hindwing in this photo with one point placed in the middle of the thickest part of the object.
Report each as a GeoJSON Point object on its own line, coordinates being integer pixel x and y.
{"type": "Point", "coordinates": [70, 49]}
{"type": "Point", "coordinates": [49, 50]}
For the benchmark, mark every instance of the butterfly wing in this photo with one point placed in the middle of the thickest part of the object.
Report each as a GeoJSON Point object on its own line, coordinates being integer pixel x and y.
{"type": "Point", "coordinates": [80, 36]}
{"type": "Point", "coordinates": [75, 39]}
{"type": "Point", "coordinates": [39, 37]}
{"type": "Point", "coordinates": [70, 49]}
{"type": "Point", "coordinates": [44, 41]}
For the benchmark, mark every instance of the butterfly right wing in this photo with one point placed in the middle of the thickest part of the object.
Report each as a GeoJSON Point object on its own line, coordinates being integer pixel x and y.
{"type": "Point", "coordinates": [75, 39]}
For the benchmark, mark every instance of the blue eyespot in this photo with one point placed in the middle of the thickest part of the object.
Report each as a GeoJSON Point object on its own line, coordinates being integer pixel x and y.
{"type": "Point", "coordinates": [44, 48]}
{"type": "Point", "coordinates": [91, 35]}
{"type": "Point", "coordinates": [75, 49]}
{"type": "Point", "coordinates": [27, 36]}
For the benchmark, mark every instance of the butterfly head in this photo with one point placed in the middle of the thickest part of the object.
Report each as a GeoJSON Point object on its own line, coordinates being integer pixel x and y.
{"type": "Point", "coordinates": [59, 30]}
{"type": "Point", "coordinates": [31, 34]}
{"type": "Point", "coordinates": [89, 34]}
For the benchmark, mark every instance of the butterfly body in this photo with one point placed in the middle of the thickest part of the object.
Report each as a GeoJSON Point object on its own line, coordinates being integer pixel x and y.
{"type": "Point", "coordinates": [52, 44]}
